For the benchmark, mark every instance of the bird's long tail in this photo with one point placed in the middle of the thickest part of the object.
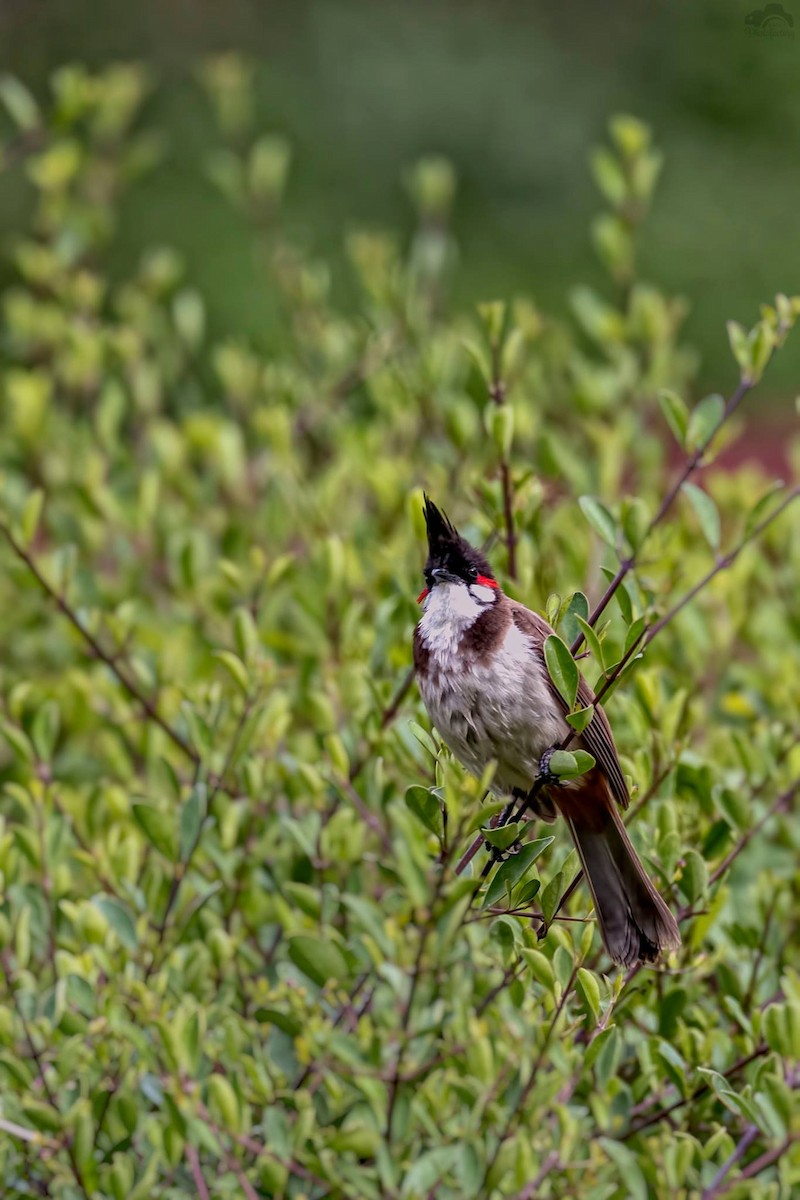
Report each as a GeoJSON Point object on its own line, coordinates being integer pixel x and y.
{"type": "Point", "coordinates": [635, 923]}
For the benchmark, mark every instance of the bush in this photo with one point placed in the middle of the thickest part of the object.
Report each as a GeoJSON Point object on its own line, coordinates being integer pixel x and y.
{"type": "Point", "coordinates": [243, 952]}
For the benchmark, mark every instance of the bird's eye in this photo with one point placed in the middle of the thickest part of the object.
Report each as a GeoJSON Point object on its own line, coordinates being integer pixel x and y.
{"type": "Point", "coordinates": [472, 572]}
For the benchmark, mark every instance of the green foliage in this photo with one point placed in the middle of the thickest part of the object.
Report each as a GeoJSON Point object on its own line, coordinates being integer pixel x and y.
{"type": "Point", "coordinates": [245, 948]}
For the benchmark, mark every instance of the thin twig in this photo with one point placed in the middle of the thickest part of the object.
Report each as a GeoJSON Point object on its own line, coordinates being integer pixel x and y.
{"type": "Point", "coordinates": [691, 465]}
{"type": "Point", "coordinates": [97, 649]}
{"type": "Point", "coordinates": [193, 1159]}
{"type": "Point", "coordinates": [717, 1186]}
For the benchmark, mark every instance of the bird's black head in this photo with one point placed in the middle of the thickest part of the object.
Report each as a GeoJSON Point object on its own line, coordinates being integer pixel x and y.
{"type": "Point", "coordinates": [451, 559]}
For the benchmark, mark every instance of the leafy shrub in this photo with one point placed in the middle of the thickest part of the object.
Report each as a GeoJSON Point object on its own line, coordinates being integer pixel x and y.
{"type": "Point", "coordinates": [243, 951]}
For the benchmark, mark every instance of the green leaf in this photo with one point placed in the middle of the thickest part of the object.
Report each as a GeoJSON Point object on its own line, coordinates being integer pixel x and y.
{"type": "Point", "coordinates": [562, 762]}
{"type": "Point", "coordinates": [588, 990]}
{"type": "Point", "coordinates": [562, 668]}
{"type": "Point", "coordinates": [424, 738]}
{"type": "Point", "coordinates": [569, 764]}
{"type": "Point", "coordinates": [192, 817]}
{"type": "Point", "coordinates": [235, 667]}
{"type": "Point", "coordinates": [157, 828]}
{"type": "Point", "coordinates": [509, 873]}
{"type": "Point", "coordinates": [319, 960]}
{"type": "Point", "coordinates": [707, 513]}
{"type": "Point", "coordinates": [541, 968]}
{"type": "Point", "coordinates": [600, 519]}
{"type": "Point", "coordinates": [551, 896]}
{"type": "Point", "coordinates": [581, 719]}
{"type": "Point", "coordinates": [502, 836]}
{"type": "Point", "coordinates": [245, 634]}
{"type": "Point", "coordinates": [592, 641]}
{"type": "Point", "coordinates": [761, 507]}
{"type": "Point", "coordinates": [694, 877]}
{"type": "Point", "coordinates": [634, 635]}
{"type": "Point", "coordinates": [17, 740]}
{"type": "Point", "coordinates": [627, 1164]}
{"type": "Point", "coordinates": [31, 515]}
{"type": "Point", "coordinates": [704, 422]}
{"type": "Point", "coordinates": [675, 413]}
{"type": "Point", "coordinates": [577, 606]}
{"type": "Point", "coordinates": [224, 1103]}
{"type": "Point", "coordinates": [761, 343]}
{"type": "Point", "coordinates": [19, 103]}
{"type": "Point", "coordinates": [426, 807]}
{"type": "Point", "coordinates": [118, 918]}
{"type": "Point", "coordinates": [44, 730]}
{"type": "Point", "coordinates": [737, 336]}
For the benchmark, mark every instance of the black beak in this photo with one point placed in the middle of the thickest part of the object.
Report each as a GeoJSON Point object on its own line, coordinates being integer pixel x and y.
{"type": "Point", "coordinates": [440, 575]}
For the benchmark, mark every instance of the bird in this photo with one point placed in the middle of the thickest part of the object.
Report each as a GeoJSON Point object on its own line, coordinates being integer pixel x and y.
{"type": "Point", "coordinates": [480, 665]}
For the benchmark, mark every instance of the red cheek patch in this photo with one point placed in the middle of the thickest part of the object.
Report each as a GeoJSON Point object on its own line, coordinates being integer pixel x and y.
{"type": "Point", "coordinates": [422, 595]}
{"type": "Point", "coordinates": [485, 581]}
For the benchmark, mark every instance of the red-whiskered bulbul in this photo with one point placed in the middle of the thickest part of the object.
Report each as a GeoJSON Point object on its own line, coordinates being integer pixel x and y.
{"type": "Point", "coordinates": [479, 660]}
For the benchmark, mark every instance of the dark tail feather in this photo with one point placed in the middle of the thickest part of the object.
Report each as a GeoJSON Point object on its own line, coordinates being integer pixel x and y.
{"type": "Point", "coordinates": [634, 920]}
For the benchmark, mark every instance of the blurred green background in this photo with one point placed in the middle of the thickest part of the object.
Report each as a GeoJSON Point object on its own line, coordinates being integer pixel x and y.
{"type": "Point", "coordinates": [515, 94]}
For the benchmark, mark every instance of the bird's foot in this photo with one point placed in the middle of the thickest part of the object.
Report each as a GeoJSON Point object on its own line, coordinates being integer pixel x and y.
{"type": "Point", "coordinates": [501, 856]}
{"type": "Point", "coordinates": [546, 778]}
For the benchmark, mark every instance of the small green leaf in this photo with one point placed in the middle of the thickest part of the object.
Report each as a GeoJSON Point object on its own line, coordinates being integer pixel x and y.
{"type": "Point", "coordinates": [424, 738]}
{"type": "Point", "coordinates": [192, 817]}
{"type": "Point", "coordinates": [562, 669]}
{"type": "Point", "coordinates": [19, 103]}
{"type": "Point", "coordinates": [626, 1163]}
{"type": "Point", "coordinates": [694, 877]}
{"type": "Point", "coordinates": [509, 873]}
{"type": "Point", "coordinates": [31, 515]}
{"type": "Point", "coordinates": [592, 641]}
{"type": "Point", "coordinates": [707, 513]}
{"type": "Point", "coordinates": [541, 968]}
{"type": "Point", "coordinates": [761, 343]}
{"type": "Point", "coordinates": [157, 828]}
{"type": "Point", "coordinates": [245, 634]}
{"type": "Point", "coordinates": [569, 764]}
{"type": "Point", "coordinates": [676, 414]}
{"type": "Point", "coordinates": [235, 667]}
{"type": "Point", "coordinates": [634, 634]}
{"type": "Point", "coordinates": [588, 990]}
{"type": "Point", "coordinates": [426, 807]}
{"type": "Point", "coordinates": [761, 507]}
{"type": "Point", "coordinates": [118, 918]}
{"type": "Point", "coordinates": [224, 1103]}
{"type": "Point", "coordinates": [499, 422]}
{"type": "Point", "coordinates": [580, 719]}
{"type": "Point", "coordinates": [599, 518]}
{"type": "Point", "coordinates": [577, 606]}
{"type": "Point", "coordinates": [551, 897]}
{"type": "Point", "coordinates": [502, 836]}
{"type": "Point", "coordinates": [704, 422]}
{"type": "Point", "coordinates": [562, 762]}
{"type": "Point", "coordinates": [635, 521]}
{"type": "Point", "coordinates": [737, 336]}
{"type": "Point", "coordinates": [44, 730]}
{"type": "Point", "coordinates": [319, 960]}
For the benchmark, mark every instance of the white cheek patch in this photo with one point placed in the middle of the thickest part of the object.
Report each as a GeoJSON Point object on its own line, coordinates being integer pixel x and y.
{"type": "Point", "coordinates": [484, 595]}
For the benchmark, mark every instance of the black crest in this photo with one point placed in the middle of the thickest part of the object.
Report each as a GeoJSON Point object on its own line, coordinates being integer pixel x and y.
{"type": "Point", "coordinates": [448, 549]}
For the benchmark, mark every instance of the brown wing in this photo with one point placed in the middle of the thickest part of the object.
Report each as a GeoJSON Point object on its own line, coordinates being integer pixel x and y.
{"type": "Point", "coordinates": [597, 737]}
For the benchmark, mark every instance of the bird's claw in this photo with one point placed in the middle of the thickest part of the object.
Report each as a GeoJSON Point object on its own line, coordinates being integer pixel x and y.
{"type": "Point", "coordinates": [546, 776]}
{"type": "Point", "coordinates": [501, 856]}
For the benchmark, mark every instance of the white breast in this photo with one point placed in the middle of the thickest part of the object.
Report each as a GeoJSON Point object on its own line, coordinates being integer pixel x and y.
{"type": "Point", "coordinates": [450, 609]}
{"type": "Point", "coordinates": [500, 709]}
